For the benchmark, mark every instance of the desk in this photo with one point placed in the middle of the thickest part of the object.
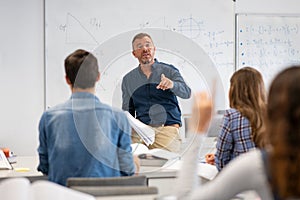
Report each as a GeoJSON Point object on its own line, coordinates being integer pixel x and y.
{"type": "Point", "coordinates": [31, 163]}
{"type": "Point", "coordinates": [130, 197]}
{"type": "Point", "coordinates": [162, 178]}
{"type": "Point", "coordinates": [158, 177]}
{"type": "Point", "coordinates": [27, 162]}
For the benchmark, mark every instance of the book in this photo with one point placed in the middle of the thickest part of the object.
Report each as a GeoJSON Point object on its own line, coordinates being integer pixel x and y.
{"type": "Point", "coordinates": [146, 132]}
{"type": "Point", "coordinates": [4, 163]}
{"type": "Point", "coordinates": [22, 189]}
{"type": "Point", "coordinates": [152, 157]}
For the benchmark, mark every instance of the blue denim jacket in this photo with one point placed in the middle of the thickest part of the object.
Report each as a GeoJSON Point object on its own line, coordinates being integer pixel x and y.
{"type": "Point", "coordinates": [84, 138]}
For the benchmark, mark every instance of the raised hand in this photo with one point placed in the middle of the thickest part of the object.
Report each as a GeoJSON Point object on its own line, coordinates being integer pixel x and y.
{"type": "Point", "coordinates": [201, 113]}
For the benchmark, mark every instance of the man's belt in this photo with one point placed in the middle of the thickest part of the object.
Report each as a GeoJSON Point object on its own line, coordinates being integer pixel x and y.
{"type": "Point", "coordinates": [162, 125]}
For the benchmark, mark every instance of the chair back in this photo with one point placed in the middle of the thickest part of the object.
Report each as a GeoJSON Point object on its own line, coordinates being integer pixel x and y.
{"type": "Point", "coordinates": [112, 186]}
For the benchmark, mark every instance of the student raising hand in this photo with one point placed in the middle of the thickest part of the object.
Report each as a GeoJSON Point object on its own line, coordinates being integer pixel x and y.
{"type": "Point", "coordinates": [201, 113]}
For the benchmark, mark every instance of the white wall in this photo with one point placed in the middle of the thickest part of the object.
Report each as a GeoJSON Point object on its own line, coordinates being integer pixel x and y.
{"type": "Point", "coordinates": [21, 74]}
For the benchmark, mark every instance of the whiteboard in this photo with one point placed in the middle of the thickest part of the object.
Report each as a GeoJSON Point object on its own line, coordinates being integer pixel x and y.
{"type": "Point", "coordinates": [188, 34]}
{"type": "Point", "coordinates": [269, 43]}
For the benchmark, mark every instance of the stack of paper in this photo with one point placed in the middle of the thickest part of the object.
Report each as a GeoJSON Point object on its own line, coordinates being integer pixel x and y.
{"type": "Point", "coordinates": [144, 131]}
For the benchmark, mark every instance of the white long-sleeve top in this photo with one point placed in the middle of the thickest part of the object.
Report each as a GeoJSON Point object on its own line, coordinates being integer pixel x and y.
{"type": "Point", "coordinates": [246, 172]}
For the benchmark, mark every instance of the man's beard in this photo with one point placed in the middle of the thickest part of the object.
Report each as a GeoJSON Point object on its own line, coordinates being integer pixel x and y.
{"type": "Point", "coordinates": [145, 62]}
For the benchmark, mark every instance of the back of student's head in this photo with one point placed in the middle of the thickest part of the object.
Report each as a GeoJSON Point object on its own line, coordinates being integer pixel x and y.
{"type": "Point", "coordinates": [81, 68]}
{"type": "Point", "coordinates": [283, 131]}
{"type": "Point", "coordinates": [247, 94]}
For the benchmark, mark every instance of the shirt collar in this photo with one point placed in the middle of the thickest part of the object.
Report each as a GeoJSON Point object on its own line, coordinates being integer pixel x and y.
{"type": "Point", "coordinates": [82, 95]}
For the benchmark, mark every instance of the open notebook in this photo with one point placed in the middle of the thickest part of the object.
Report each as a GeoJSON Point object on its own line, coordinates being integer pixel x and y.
{"type": "Point", "coordinates": [4, 164]}
{"type": "Point", "coordinates": [22, 189]}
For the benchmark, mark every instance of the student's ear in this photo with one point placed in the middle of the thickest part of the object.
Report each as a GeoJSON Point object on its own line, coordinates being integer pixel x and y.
{"type": "Point", "coordinates": [68, 80]}
{"type": "Point", "coordinates": [98, 77]}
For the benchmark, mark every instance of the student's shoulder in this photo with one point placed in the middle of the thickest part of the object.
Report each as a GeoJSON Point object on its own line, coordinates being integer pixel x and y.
{"type": "Point", "coordinates": [232, 113]}
{"type": "Point", "coordinates": [117, 112]}
{"type": "Point", "coordinates": [61, 107]}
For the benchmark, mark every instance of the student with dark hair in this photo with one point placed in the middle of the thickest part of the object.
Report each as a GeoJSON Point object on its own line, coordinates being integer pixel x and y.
{"type": "Point", "coordinates": [83, 137]}
{"type": "Point", "coordinates": [272, 173]}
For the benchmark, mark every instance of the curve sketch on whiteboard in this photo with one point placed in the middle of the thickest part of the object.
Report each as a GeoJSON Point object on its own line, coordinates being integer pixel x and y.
{"type": "Point", "coordinates": [77, 33]}
{"type": "Point", "coordinates": [190, 27]}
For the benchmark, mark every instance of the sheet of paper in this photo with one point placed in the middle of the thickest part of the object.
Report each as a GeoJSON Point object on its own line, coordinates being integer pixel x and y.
{"type": "Point", "coordinates": [144, 131]}
{"type": "Point", "coordinates": [207, 171]}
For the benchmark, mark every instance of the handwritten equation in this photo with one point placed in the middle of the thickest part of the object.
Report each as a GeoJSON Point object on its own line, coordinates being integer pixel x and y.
{"type": "Point", "coordinates": [268, 43]}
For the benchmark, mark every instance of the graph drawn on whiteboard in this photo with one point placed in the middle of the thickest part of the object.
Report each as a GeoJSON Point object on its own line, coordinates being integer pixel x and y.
{"type": "Point", "coordinates": [161, 22]}
{"type": "Point", "coordinates": [190, 27]}
{"type": "Point", "coordinates": [77, 33]}
{"type": "Point", "coordinates": [268, 43]}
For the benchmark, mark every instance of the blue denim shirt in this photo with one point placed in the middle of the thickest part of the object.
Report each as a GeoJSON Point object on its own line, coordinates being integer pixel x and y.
{"type": "Point", "coordinates": [84, 138]}
{"type": "Point", "coordinates": [148, 104]}
{"type": "Point", "coordinates": [234, 139]}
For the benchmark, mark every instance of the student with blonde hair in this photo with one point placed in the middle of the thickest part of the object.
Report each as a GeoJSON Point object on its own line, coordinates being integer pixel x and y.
{"type": "Point", "coordinates": [243, 123]}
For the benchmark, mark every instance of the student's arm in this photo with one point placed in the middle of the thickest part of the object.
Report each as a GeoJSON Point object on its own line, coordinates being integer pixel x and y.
{"type": "Point", "coordinates": [42, 149]}
{"type": "Point", "coordinates": [126, 161]}
{"type": "Point", "coordinates": [137, 164]}
{"type": "Point", "coordinates": [244, 173]}
{"type": "Point", "coordinates": [224, 144]}
{"type": "Point", "coordinates": [199, 122]}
